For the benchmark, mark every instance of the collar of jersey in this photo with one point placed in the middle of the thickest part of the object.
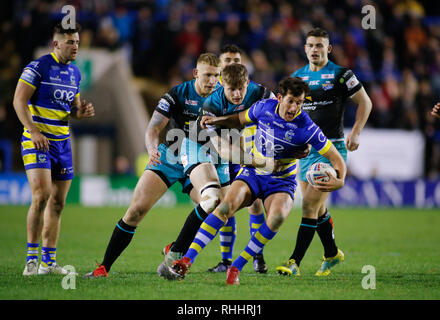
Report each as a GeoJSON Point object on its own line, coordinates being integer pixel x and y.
{"type": "Point", "coordinates": [276, 112]}
{"type": "Point", "coordinates": [320, 70]}
{"type": "Point", "coordinates": [54, 57]}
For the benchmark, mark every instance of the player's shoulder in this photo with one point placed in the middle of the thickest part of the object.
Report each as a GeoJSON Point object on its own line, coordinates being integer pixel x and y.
{"type": "Point", "coordinates": [183, 87]}
{"type": "Point", "coordinates": [339, 71]}
{"type": "Point", "coordinates": [301, 71]}
{"type": "Point", "coordinates": [41, 63]}
{"type": "Point", "coordinates": [266, 105]}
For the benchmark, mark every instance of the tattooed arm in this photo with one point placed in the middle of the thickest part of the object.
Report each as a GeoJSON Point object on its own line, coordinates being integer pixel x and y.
{"type": "Point", "coordinates": [157, 123]}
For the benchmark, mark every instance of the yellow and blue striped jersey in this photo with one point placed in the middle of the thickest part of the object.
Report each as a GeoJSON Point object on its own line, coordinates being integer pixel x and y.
{"type": "Point", "coordinates": [56, 86]}
{"type": "Point", "coordinates": [277, 138]}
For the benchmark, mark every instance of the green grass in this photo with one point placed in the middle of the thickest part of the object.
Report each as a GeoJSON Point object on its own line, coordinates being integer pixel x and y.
{"type": "Point", "coordinates": [402, 245]}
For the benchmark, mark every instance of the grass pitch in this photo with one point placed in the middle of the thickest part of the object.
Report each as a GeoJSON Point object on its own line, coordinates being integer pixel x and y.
{"type": "Point", "coordinates": [401, 244]}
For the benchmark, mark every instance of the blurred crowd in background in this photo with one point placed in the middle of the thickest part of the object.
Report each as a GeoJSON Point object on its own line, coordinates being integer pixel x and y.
{"type": "Point", "coordinates": [398, 62]}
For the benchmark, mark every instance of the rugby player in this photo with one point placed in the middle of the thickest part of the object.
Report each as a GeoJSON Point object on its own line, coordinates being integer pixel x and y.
{"type": "Point", "coordinates": [46, 97]}
{"type": "Point", "coordinates": [282, 129]}
{"type": "Point", "coordinates": [175, 110]}
{"type": "Point", "coordinates": [330, 86]}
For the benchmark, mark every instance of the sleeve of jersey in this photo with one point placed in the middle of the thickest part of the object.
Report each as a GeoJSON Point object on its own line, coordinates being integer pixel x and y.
{"type": "Point", "coordinates": [166, 104]}
{"type": "Point", "coordinates": [79, 83]}
{"type": "Point", "coordinates": [319, 141]}
{"type": "Point", "coordinates": [350, 83]}
{"type": "Point", "coordinates": [32, 74]}
{"type": "Point", "coordinates": [252, 113]}
{"type": "Point", "coordinates": [209, 109]}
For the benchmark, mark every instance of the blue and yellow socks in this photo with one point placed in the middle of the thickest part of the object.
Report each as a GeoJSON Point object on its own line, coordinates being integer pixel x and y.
{"type": "Point", "coordinates": [207, 231]}
{"type": "Point", "coordinates": [227, 239]}
{"type": "Point", "coordinates": [32, 251]}
{"type": "Point", "coordinates": [260, 238]}
{"type": "Point", "coordinates": [255, 222]}
{"type": "Point", "coordinates": [48, 256]}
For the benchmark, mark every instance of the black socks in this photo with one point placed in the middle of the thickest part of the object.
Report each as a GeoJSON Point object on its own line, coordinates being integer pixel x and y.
{"type": "Point", "coordinates": [121, 237]}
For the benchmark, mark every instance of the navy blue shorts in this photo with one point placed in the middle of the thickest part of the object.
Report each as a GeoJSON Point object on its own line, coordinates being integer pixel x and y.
{"type": "Point", "coordinates": [263, 186]}
{"type": "Point", "coordinates": [58, 159]}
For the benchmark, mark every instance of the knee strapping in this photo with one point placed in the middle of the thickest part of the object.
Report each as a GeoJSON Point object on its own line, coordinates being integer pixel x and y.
{"type": "Point", "coordinates": [210, 197]}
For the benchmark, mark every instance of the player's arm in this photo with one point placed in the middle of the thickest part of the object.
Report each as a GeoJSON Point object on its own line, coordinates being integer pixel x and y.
{"type": "Point", "coordinates": [236, 120]}
{"type": "Point", "coordinates": [234, 152]}
{"type": "Point", "coordinates": [338, 164]}
{"type": "Point", "coordinates": [152, 137]}
{"type": "Point", "coordinates": [23, 93]}
{"type": "Point", "coordinates": [81, 109]}
{"type": "Point", "coordinates": [436, 110]}
{"type": "Point", "coordinates": [364, 106]}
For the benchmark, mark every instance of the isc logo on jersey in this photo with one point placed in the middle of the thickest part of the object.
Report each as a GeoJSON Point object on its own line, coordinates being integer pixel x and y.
{"type": "Point", "coordinates": [65, 95]}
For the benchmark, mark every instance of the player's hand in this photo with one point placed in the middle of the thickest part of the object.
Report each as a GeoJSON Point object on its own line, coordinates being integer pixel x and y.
{"type": "Point", "coordinates": [352, 141]}
{"type": "Point", "coordinates": [302, 153]}
{"type": "Point", "coordinates": [85, 110]}
{"type": "Point", "coordinates": [40, 141]}
{"type": "Point", "coordinates": [205, 121]}
{"type": "Point", "coordinates": [154, 157]}
{"type": "Point", "coordinates": [333, 184]}
{"type": "Point", "coordinates": [436, 110]}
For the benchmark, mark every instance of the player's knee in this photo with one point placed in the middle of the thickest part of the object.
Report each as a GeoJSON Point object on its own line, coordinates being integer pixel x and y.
{"type": "Point", "coordinates": [309, 210]}
{"type": "Point", "coordinates": [210, 197]}
{"type": "Point", "coordinates": [135, 213]}
{"type": "Point", "coordinates": [40, 198]}
{"type": "Point", "coordinates": [57, 205]}
{"type": "Point", "coordinates": [256, 207]}
{"type": "Point", "coordinates": [276, 220]}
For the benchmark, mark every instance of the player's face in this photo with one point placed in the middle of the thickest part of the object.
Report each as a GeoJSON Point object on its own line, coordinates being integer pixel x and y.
{"type": "Point", "coordinates": [235, 94]}
{"type": "Point", "coordinates": [289, 105]}
{"type": "Point", "coordinates": [317, 50]}
{"type": "Point", "coordinates": [206, 78]}
{"type": "Point", "coordinates": [228, 58]}
{"type": "Point", "coordinates": [67, 46]}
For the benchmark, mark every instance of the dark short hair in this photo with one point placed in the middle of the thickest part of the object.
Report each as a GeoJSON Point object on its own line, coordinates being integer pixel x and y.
{"type": "Point", "coordinates": [317, 32]}
{"type": "Point", "coordinates": [295, 85]}
{"type": "Point", "coordinates": [58, 29]}
{"type": "Point", "coordinates": [232, 48]}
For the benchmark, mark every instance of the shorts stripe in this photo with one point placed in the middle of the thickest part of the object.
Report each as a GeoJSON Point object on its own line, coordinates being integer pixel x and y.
{"type": "Point", "coordinates": [28, 145]}
{"type": "Point", "coordinates": [30, 158]}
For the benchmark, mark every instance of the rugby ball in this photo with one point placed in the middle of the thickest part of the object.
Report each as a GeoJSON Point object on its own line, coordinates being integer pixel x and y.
{"type": "Point", "coordinates": [319, 172]}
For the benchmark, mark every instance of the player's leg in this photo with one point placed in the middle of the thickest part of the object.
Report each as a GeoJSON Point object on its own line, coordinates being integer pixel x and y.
{"type": "Point", "coordinates": [237, 197]}
{"type": "Point", "coordinates": [51, 227]}
{"type": "Point", "coordinates": [278, 207]}
{"type": "Point", "coordinates": [332, 255]}
{"type": "Point", "coordinates": [256, 219]}
{"type": "Point", "coordinates": [149, 189]}
{"type": "Point", "coordinates": [40, 183]}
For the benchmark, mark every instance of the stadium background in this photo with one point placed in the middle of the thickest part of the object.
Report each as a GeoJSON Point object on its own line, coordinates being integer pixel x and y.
{"type": "Point", "coordinates": [132, 52]}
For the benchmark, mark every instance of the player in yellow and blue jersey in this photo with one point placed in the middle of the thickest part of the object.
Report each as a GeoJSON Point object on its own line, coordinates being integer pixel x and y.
{"type": "Point", "coordinates": [282, 129]}
{"type": "Point", "coordinates": [174, 112]}
{"type": "Point", "coordinates": [330, 87]}
{"type": "Point", "coordinates": [46, 97]}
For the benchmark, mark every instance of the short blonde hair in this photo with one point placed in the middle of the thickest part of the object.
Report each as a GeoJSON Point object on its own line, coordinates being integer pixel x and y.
{"type": "Point", "coordinates": [210, 59]}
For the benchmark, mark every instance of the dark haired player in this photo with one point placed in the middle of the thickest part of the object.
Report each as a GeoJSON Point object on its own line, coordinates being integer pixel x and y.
{"type": "Point", "coordinates": [46, 97]}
